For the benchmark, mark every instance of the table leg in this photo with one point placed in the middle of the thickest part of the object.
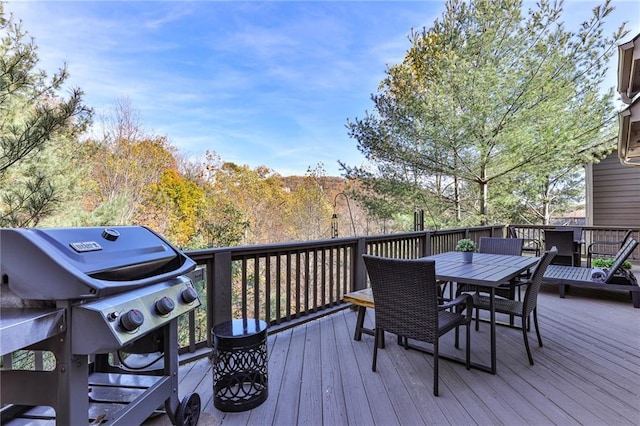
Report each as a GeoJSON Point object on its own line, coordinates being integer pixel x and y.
{"type": "Point", "coordinates": [561, 290]}
{"type": "Point", "coordinates": [492, 310]}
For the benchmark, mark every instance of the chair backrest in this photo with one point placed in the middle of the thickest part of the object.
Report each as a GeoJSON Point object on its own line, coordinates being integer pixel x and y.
{"type": "Point", "coordinates": [627, 235]}
{"type": "Point", "coordinates": [577, 232]}
{"type": "Point", "coordinates": [627, 248]}
{"type": "Point", "coordinates": [406, 296]}
{"type": "Point", "coordinates": [563, 240]}
{"type": "Point", "coordinates": [531, 296]}
{"type": "Point", "coordinates": [494, 245]}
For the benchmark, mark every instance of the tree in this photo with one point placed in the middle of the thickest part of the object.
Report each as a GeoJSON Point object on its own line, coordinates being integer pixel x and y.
{"type": "Point", "coordinates": [127, 163]}
{"type": "Point", "coordinates": [309, 211]}
{"type": "Point", "coordinates": [174, 207]}
{"type": "Point", "coordinates": [33, 118]}
{"type": "Point", "coordinates": [486, 97]}
{"type": "Point", "coordinates": [257, 194]}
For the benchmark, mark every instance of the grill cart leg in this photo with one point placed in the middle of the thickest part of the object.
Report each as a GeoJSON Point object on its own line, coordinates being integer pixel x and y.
{"type": "Point", "coordinates": [187, 412]}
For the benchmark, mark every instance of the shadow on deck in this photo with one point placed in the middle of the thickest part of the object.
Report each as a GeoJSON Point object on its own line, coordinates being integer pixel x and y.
{"type": "Point", "coordinates": [588, 372]}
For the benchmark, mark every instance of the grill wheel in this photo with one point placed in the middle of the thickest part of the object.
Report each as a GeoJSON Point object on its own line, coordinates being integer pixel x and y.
{"type": "Point", "coordinates": [188, 411]}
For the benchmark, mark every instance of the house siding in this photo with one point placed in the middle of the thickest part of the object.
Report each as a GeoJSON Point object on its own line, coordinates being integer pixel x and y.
{"type": "Point", "coordinates": [616, 193]}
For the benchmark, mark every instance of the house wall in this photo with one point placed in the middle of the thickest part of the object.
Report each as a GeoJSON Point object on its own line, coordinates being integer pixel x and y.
{"type": "Point", "coordinates": [615, 194]}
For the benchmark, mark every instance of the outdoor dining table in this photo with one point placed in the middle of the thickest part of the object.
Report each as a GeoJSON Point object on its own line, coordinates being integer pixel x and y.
{"type": "Point", "coordinates": [485, 270]}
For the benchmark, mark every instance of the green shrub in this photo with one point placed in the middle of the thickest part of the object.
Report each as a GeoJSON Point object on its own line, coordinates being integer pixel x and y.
{"type": "Point", "coordinates": [608, 263]}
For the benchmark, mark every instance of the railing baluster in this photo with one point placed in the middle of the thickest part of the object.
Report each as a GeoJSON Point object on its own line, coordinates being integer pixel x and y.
{"type": "Point", "coordinates": [288, 287]}
{"type": "Point", "coordinates": [278, 284]}
{"type": "Point", "coordinates": [268, 289]}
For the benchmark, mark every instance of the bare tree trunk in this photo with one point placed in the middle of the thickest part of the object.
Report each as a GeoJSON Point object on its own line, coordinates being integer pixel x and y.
{"type": "Point", "coordinates": [546, 214]}
{"type": "Point", "coordinates": [484, 193]}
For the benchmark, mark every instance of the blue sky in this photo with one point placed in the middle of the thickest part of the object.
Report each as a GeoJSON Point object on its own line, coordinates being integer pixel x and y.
{"type": "Point", "coordinates": [260, 83]}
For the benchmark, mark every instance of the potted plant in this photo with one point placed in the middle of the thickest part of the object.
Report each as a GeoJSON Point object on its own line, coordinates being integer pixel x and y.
{"type": "Point", "coordinates": [467, 247]}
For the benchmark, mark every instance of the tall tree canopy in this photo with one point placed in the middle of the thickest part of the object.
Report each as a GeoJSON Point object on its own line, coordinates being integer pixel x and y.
{"type": "Point", "coordinates": [489, 97]}
{"type": "Point", "coordinates": [32, 115]}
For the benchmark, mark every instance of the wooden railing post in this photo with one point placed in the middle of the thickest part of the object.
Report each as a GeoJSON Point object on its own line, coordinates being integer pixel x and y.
{"type": "Point", "coordinates": [426, 247]}
{"type": "Point", "coordinates": [220, 305]}
{"type": "Point", "coordinates": [360, 273]}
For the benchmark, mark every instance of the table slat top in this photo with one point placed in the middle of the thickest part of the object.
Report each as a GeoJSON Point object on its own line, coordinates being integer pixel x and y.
{"type": "Point", "coordinates": [489, 270]}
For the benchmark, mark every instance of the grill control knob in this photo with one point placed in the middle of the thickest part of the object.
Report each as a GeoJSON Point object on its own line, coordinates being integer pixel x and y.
{"type": "Point", "coordinates": [189, 294]}
{"type": "Point", "coordinates": [131, 320]}
{"type": "Point", "coordinates": [164, 305]}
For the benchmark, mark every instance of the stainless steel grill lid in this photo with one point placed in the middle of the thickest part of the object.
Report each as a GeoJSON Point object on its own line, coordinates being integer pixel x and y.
{"type": "Point", "coordinates": [79, 263]}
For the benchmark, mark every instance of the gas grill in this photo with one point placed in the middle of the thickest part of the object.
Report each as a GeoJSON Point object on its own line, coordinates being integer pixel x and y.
{"type": "Point", "coordinates": [98, 299]}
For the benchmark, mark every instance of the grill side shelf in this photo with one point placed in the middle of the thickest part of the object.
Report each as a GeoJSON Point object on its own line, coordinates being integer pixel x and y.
{"type": "Point", "coordinates": [23, 327]}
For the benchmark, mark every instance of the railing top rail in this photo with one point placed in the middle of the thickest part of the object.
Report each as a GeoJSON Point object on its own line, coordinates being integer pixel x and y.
{"type": "Point", "coordinates": [274, 248]}
{"type": "Point", "coordinates": [585, 227]}
{"type": "Point", "coordinates": [326, 243]}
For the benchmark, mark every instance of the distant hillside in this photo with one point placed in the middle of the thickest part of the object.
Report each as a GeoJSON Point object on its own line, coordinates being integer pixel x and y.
{"type": "Point", "coordinates": [330, 184]}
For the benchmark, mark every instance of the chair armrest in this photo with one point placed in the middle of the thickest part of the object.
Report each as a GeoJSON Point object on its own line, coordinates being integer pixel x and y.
{"type": "Point", "coordinates": [465, 299]}
{"type": "Point", "coordinates": [612, 243]}
{"type": "Point", "coordinates": [522, 279]}
{"type": "Point", "coordinates": [532, 240]}
{"type": "Point", "coordinates": [608, 243]}
{"type": "Point", "coordinates": [530, 244]}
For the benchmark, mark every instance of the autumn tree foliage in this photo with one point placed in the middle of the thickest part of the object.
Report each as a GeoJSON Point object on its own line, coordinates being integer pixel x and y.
{"type": "Point", "coordinates": [126, 163]}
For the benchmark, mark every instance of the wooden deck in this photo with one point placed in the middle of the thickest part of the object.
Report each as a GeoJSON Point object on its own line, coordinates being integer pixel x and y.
{"type": "Point", "coordinates": [587, 373]}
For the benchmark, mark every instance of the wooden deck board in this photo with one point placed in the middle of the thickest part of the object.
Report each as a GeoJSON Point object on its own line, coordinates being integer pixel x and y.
{"type": "Point", "coordinates": [354, 389]}
{"type": "Point", "coordinates": [381, 408]}
{"type": "Point", "coordinates": [333, 403]}
{"type": "Point", "coordinates": [588, 373]}
{"type": "Point", "coordinates": [311, 388]}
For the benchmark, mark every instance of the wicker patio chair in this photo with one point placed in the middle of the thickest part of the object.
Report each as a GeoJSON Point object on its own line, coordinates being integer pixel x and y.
{"type": "Point", "coordinates": [530, 245]}
{"type": "Point", "coordinates": [602, 248]}
{"type": "Point", "coordinates": [406, 300]}
{"type": "Point", "coordinates": [525, 308]}
{"type": "Point", "coordinates": [493, 245]}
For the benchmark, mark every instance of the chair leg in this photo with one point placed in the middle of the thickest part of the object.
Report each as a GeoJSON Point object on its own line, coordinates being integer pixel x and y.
{"type": "Point", "coordinates": [468, 347]}
{"type": "Point", "coordinates": [477, 319]}
{"type": "Point", "coordinates": [512, 296]}
{"type": "Point", "coordinates": [457, 341]}
{"type": "Point", "coordinates": [376, 338]}
{"type": "Point", "coordinates": [526, 345]}
{"type": "Point", "coordinates": [535, 324]}
{"type": "Point", "coordinates": [435, 368]}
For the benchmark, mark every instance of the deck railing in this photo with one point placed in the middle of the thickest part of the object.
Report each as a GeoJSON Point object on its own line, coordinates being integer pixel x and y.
{"type": "Point", "coordinates": [285, 284]}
